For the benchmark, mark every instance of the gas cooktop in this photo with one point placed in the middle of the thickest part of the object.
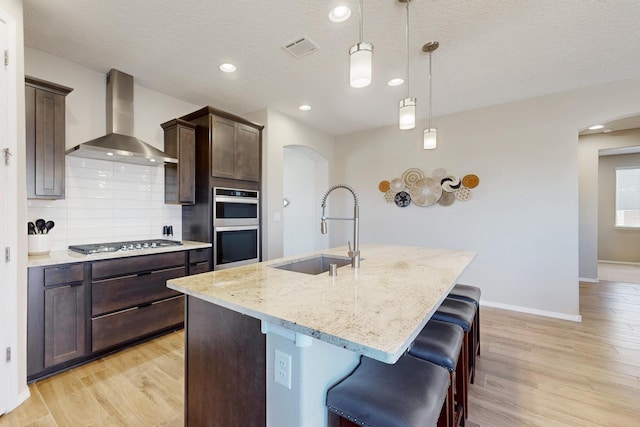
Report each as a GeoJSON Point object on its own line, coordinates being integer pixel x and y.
{"type": "Point", "coordinates": [123, 246]}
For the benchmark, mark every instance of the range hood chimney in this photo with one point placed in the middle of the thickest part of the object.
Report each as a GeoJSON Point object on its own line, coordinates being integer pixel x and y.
{"type": "Point", "coordinates": [119, 145]}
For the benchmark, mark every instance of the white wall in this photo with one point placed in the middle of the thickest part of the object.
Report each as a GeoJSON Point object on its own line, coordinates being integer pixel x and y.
{"type": "Point", "coordinates": [523, 217]}
{"type": "Point", "coordinates": [106, 201]}
{"type": "Point", "coordinates": [281, 131]}
{"type": "Point", "coordinates": [588, 156]}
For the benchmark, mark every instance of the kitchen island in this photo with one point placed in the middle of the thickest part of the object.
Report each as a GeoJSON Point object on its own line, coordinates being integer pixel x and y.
{"type": "Point", "coordinates": [263, 344]}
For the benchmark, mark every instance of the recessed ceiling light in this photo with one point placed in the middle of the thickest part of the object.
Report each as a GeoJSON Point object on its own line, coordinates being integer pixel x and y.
{"type": "Point", "coordinates": [304, 107]}
{"type": "Point", "coordinates": [109, 153]}
{"type": "Point", "coordinates": [227, 68]}
{"type": "Point", "coordinates": [339, 14]}
{"type": "Point", "coordinates": [395, 82]}
{"type": "Point", "coordinates": [596, 127]}
{"type": "Point", "coordinates": [152, 160]}
{"type": "Point", "coordinates": [607, 131]}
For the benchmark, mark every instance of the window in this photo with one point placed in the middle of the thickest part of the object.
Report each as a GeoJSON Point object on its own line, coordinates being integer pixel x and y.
{"type": "Point", "coordinates": [628, 197]}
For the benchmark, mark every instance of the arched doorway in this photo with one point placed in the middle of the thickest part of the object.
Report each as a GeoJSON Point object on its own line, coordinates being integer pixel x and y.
{"type": "Point", "coordinates": [305, 178]}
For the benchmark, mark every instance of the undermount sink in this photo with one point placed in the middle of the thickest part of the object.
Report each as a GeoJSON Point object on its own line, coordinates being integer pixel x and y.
{"type": "Point", "coordinates": [316, 265]}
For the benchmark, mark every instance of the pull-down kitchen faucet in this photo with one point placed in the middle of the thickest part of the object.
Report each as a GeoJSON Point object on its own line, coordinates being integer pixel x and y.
{"type": "Point", "coordinates": [355, 253]}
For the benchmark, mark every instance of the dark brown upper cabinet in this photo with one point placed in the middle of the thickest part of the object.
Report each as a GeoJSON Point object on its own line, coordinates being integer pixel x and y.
{"type": "Point", "coordinates": [45, 137]}
{"type": "Point", "coordinates": [230, 144]}
{"type": "Point", "coordinates": [180, 179]}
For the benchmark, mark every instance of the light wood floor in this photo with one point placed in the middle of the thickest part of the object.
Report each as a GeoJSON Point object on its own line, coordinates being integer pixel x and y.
{"type": "Point", "coordinates": [533, 371]}
{"type": "Point", "coordinates": [615, 272]}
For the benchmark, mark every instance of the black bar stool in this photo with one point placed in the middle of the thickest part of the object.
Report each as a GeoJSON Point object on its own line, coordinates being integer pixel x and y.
{"type": "Point", "coordinates": [471, 294]}
{"type": "Point", "coordinates": [409, 393]}
{"type": "Point", "coordinates": [461, 313]}
{"type": "Point", "coordinates": [441, 343]}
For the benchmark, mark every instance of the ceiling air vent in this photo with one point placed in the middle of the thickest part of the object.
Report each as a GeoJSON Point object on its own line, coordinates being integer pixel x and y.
{"type": "Point", "coordinates": [301, 46]}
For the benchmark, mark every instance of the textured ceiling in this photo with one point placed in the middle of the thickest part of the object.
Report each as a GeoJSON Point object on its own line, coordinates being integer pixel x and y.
{"type": "Point", "coordinates": [491, 51]}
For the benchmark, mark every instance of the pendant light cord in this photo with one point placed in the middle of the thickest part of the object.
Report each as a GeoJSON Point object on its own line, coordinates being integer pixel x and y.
{"type": "Point", "coordinates": [430, 109]}
{"type": "Point", "coordinates": [407, 37]}
{"type": "Point", "coordinates": [361, 20]}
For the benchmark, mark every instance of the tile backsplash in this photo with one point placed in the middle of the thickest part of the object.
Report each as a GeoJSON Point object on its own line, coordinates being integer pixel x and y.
{"type": "Point", "coordinates": [108, 202]}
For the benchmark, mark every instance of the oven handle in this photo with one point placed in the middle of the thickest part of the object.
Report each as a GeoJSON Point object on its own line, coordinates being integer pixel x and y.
{"type": "Point", "coordinates": [237, 227]}
{"type": "Point", "coordinates": [249, 201]}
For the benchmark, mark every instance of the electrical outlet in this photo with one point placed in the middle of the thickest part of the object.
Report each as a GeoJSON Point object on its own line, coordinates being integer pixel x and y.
{"type": "Point", "coordinates": [282, 369]}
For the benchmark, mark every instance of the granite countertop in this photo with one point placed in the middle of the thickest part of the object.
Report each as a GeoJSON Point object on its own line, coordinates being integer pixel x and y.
{"type": "Point", "coordinates": [376, 310]}
{"type": "Point", "coordinates": [68, 256]}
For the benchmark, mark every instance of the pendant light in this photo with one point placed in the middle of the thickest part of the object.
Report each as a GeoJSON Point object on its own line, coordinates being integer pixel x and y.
{"type": "Point", "coordinates": [430, 134]}
{"type": "Point", "coordinates": [407, 112]}
{"type": "Point", "coordinates": [360, 56]}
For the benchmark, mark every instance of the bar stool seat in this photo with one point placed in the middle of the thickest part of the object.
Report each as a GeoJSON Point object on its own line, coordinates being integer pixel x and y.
{"type": "Point", "coordinates": [461, 313]}
{"type": "Point", "coordinates": [471, 294]}
{"type": "Point", "coordinates": [409, 393]}
{"type": "Point", "coordinates": [441, 343]}
{"type": "Point", "coordinates": [466, 293]}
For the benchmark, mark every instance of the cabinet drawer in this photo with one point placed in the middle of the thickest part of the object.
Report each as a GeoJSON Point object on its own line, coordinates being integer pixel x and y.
{"type": "Point", "coordinates": [199, 255]}
{"type": "Point", "coordinates": [202, 267]}
{"type": "Point", "coordinates": [134, 265]}
{"type": "Point", "coordinates": [128, 325]}
{"type": "Point", "coordinates": [68, 273]}
{"type": "Point", "coordinates": [130, 291]}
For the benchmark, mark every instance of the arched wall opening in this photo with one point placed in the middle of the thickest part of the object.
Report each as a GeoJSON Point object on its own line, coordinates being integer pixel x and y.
{"type": "Point", "coordinates": [305, 179]}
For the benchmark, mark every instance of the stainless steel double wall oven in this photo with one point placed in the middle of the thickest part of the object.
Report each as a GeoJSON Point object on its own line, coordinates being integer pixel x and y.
{"type": "Point", "coordinates": [236, 227]}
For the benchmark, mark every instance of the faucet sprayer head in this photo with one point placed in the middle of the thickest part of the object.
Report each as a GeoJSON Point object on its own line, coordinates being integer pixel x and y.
{"type": "Point", "coordinates": [323, 227]}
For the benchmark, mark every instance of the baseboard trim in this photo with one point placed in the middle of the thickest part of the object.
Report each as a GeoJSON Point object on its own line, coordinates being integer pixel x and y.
{"type": "Point", "coordinates": [18, 400]}
{"type": "Point", "coordinates": [545, 313]}
{"type": "Point", "coordinates": [619, 262]}
{"type": "Point", "coordinates": [588, 280]}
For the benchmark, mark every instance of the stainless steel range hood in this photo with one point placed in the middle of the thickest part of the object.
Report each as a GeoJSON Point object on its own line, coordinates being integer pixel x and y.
{"type": "Point", "coordinates": [119, 145]}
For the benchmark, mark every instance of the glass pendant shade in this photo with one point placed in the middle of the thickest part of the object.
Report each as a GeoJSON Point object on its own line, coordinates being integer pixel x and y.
{"type": "Point", "coordinates": [407, 116]}
{"type": "Point", "coordinates": [430, 139]}
{"type": "Point", "coordinates": [360, 56]}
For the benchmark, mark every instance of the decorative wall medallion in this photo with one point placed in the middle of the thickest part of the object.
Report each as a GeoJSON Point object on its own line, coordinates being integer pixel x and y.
{"type": "Point", "coordinates": [402, 199]}
{"type": "Point", "coordinates": [439, 173]}
{"type": "Point", "coordinates": [397, 185]}
{"type": "Point", "coordinates": [447, 199]}
{"type": "Point", "coordinates": [463, 194]}
{"type": "Point", "coordinates": [425, 192]}
{"type": "Point", "coordinates": [451, 183]}
{"type": "Point", "coordinates": [389, 196]}
{"type": "Point", "coordinates": [442, 188]}
{"type": "Point", "coordinates": [410, 176]}
{"type": "Point", "coordinates": [470, 181]}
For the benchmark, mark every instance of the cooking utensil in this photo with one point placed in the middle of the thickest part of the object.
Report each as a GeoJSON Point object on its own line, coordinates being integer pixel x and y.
{"type": "Point", "coordinates": [31, 228]}
{"type": "Point", "coordinates": [40, 225]}
{"type": "Point", "coordinates": [49, 225]}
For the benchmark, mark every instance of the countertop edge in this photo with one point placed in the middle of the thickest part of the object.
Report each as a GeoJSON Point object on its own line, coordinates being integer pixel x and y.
{"type": "Point", "coordinates": [386, 355]}
{"type": "Point", "coordinates": [69, 257]}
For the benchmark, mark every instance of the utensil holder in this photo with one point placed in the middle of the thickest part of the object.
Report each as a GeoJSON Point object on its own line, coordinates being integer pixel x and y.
{"type": "Point", "coordinates": [39, 244]}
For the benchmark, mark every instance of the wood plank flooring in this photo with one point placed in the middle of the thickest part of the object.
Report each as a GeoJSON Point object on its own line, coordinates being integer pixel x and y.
{"type": "Point", "coordinates": [533, 371]}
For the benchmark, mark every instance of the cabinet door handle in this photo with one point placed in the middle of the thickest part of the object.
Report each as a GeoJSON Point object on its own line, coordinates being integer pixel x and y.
{"type": "Point", "coordinates": [73, 285]}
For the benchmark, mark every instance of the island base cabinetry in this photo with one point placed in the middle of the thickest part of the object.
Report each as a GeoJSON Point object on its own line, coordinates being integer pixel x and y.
{"type": "Point", "coordinates": [225, 367]}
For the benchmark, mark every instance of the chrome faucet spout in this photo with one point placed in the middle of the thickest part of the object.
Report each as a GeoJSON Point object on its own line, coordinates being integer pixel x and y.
{"type": "Point", "coordinates": [355, 253]}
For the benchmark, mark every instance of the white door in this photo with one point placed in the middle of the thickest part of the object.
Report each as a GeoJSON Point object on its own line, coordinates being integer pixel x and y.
{"type": "Point", "coordinates": [4, 203]}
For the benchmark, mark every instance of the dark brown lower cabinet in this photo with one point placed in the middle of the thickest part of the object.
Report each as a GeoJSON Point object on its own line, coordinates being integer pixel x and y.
{"type": "Point", "coordinates": [225, 367]}
{"type": "Point", "coordinates": [64, 324]}
{"type": "Point", "coordinates": [81, 311]}
{"type": "Point", "coordinates": [127, 325]}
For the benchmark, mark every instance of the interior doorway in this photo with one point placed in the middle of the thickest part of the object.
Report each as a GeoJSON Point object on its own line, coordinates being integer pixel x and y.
{"type": "Point", "coordinates": [305, 178]}
{"type": "Point", "coordinates": [617, 136]}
